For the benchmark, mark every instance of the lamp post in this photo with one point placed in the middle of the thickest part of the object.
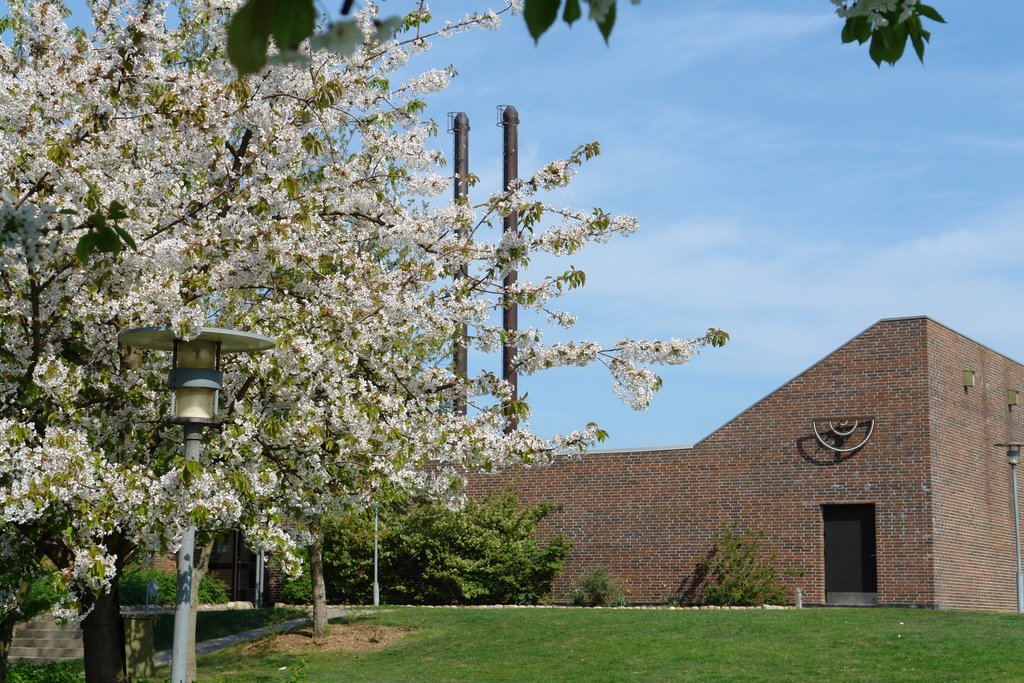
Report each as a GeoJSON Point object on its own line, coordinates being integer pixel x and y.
{"type": "Point", "coordinates": [376, 585]}
{"type": "Point", "coordinates": [196, 379]}
{"type": "Point", "coordinates": [1013, 457]}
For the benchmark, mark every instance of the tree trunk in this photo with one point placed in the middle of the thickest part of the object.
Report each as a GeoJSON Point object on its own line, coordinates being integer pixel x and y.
{"type": "Point", "coordinates": [6, 636]}
{"type": "Point", "coordinates": [200, 567]}
{"type": "Point", "coordinates": [316, 575]}
{"type": "Point", "coordinates": [103, 639]}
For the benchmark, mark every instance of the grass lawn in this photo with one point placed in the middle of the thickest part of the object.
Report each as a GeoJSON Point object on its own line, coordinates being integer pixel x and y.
{"type": "Point", "coordinates": [217, 623]}
{"type": "Point", "coordinates": [647, 645]}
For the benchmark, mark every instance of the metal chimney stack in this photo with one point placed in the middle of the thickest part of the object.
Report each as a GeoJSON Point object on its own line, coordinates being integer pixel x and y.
{"type": "Point", "coordinates": [510, 316]}
{"type": "Point", "coordinates": [460, 126]}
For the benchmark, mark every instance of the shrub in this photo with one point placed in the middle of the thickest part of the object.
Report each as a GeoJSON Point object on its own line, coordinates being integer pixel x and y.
{"type": "Point", "coordinates": [348, 554]}
{"type": "Point", "coordinates": [484, 553]}
{"type": "Point", "coordinates": [212, 591]}
{"type": "Point", "coordinates": [54, 672]}
{"type": "Point", "coordinates": [597, 588]}
{"type": "Point", "coordinates": [41, 596]}
{"type": "Point", "coordinates": [133, 580]}
{"type": "Point", "coordinates": [735, 573]}
{"type": "Point", "coordinates": [299, 591]}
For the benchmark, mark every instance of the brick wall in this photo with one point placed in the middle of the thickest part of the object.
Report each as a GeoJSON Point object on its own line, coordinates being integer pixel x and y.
{"type": "Point", "coordinates": [974, 552]}
{"type": "Point", "coordinates": [649, 516]}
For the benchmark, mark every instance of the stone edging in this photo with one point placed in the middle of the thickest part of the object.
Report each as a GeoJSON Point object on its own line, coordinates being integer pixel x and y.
{"type": "Point", "coordinates": [681, 608]}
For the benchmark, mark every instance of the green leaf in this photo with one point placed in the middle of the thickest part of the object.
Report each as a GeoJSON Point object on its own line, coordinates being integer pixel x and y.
{"type": "Point", "coordinates": [931, 13]}
{"type": "Point", "coordinates": [92, 197]}
{"type": "Point", "coordinates": [605, 25]}
{"type": "Point", "coordinates": [293, 22]}
{"type": "Point", "coordinates": [861, 29]}
{"type": "Point", "coordinates": [886, 35]}
{"type": "Point", "coordinates": [248, 35]}
{"type": "Point", "coordinates": [116, 211]}
{"type": "Point", "coordinates": [857, 28]}
{"type": "Point", "coordinates": [539, 15]}
{"type": "Point", "coordinates": [125, 236]}
{"type": "Point", "coordinates": [877, 50]}
{"type": "Point", "coordinates": [918, 36]}
{"type": "Point", "coordinates": [572, 11]}
{"type": "Point", "coordinates": [191, 471]}
{"type": "Point", "coordinates": [887, 45]}
{"type": "Point", "coordinates": [918, 42]}
{"type": "Point", "coordinates": [86, 245]}
{"type": "Point", "coordinates": [107, 240]}
{"type": "Point", "coordinates": [898, 42]}
{"type": "Point", "coordinates": [849, 34]}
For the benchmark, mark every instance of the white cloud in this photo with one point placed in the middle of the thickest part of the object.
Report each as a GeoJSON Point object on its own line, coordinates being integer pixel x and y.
{"type": "Point", "coordinates": [762, 286]}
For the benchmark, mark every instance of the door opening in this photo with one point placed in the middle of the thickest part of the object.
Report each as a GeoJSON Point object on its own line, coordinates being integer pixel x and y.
{"type": "Point", "coordinates": [851, 569]}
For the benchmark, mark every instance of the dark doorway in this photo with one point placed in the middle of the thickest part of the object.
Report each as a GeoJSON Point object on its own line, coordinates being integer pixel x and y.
{"type": "Point", "coordinates": [851, 570]}
{"type": "Point", "coordinates": [234, 564]}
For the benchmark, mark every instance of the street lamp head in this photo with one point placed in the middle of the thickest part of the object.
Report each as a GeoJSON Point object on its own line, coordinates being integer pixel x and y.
{"type": "Point", "coordinates": [1012, 452]}
{"type": "Point", "coordinates": [195, 374]}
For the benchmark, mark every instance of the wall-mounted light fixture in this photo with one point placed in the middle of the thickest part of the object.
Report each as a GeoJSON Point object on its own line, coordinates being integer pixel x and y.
{"type": "Point", "coordinates": [1012, 397]}
{"type": "Point", "coordinates": [968, 379]}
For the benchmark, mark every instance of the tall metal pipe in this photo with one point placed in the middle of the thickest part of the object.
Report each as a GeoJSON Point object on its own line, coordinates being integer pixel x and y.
{"type": "Point", "coordinates": [460, 127]}
{"type": "Point", "coordinates": [510, 314]}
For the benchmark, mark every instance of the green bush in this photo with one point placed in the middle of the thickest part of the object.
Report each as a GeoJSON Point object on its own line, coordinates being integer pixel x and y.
{"type": "Point", "coordinates": [348, 554]}
{"type": "Point", "coordinates": [485, 553]}
{"type": "Point", "coordinates": [348, 562]}
{"type": "Point", "coordinates": [597, 588]}
{"type": "Point", "coordinates": [735, 573]}
{"type": "Point", "coordinates": [54, 672]}
{"type": "Point", "coordinates": [41, 596]}
{"type": "Point", "coordinates": [132, 587]}
{"type": "Point", "coordinates": [299, 591]}
{"type": "Point", "coordinates": [212, 591]}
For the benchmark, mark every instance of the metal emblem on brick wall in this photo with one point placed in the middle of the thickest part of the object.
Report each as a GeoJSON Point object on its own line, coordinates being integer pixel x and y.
{"type": "Point", "coordinates": [843, 436]}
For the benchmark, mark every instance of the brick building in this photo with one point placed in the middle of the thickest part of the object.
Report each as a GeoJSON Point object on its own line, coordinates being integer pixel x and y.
{"type": "Point", "coordinates": [873, 474]}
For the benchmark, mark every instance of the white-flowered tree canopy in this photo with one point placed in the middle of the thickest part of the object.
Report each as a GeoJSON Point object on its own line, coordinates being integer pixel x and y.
{"type": "Point", "coordinates": [301, 203]}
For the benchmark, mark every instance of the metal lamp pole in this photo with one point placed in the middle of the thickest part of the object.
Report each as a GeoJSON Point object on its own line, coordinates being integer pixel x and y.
{"type": "Point", "coordinates": [196, 379]}
{"type": "Point", "coordinates": [1013, 457]}
{"type": "Point", "coordinates": [376, 585]}
{"type": "Point", "coordinates": [186, 556]}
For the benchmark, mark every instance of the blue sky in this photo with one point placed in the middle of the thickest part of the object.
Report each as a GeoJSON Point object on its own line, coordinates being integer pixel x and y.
{"type": "Point", "coordinates": [788, 190]}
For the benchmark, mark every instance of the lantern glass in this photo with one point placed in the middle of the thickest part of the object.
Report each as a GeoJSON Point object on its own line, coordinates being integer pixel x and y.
{"type": "Point", "coordinates": [1013, 456]}
{"type": "Point", "coordinates": [195, 402]}
{"type": "Point", "coordinates": [197, 354]}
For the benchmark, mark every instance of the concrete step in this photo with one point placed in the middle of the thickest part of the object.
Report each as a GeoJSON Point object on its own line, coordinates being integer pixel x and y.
{"type": "Point", "coordinates": [44, 640]}
{"type": "Point", "coordinates": [44, 654]}
{"type": "Point", "coordinates": [68, 630]}
{"type": "Point", "coordinates": [47, 641]}
{"type": "Point", "coordinates": [55, 652]}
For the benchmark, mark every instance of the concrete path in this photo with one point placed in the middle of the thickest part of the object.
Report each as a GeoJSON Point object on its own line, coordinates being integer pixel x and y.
{"type": "Point", "coordinates": [208, 646]}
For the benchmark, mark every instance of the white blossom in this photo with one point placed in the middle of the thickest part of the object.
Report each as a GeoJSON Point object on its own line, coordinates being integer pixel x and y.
{"type": "Point", "coordinates": [295, 203]}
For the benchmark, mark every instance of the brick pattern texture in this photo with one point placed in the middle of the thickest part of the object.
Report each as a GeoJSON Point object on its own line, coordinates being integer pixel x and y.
{"type": "Point", "coordinates": [941, 490]}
